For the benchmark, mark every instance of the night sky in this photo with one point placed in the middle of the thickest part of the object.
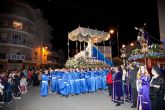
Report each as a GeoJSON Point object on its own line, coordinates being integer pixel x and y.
{"type": "Point", "coordinates": [66, 15]}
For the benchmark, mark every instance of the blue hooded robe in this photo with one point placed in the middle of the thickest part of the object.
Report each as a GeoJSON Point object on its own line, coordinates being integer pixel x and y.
{"type": "Point", "coordinates": [44, 85]}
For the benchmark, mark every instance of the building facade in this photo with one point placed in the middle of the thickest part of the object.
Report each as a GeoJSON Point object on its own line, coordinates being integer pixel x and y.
{"type": "Point", "coordinates": [24, 35]}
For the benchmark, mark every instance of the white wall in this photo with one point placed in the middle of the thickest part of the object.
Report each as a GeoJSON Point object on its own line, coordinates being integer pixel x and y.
{"type": "Point", "coordinates": [161, 12]}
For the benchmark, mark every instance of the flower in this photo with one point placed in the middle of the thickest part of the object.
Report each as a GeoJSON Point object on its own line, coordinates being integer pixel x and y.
{"type": "Point", "coordinates": [84, 63]}
{"type": "Point", "coordinates": [154, 52]}
{"type": "Point", "coordinates": [148, 55]}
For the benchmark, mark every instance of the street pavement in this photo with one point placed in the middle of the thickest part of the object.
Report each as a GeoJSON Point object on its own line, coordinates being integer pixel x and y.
{"type": "Point", "coordinates": [90, 101]}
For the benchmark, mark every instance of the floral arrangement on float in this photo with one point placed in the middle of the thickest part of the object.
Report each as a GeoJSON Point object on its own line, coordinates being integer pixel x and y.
{"type": "Point", "coordinates": [154, 51]}
{"type": "Point", "coordinates": [82, 62]}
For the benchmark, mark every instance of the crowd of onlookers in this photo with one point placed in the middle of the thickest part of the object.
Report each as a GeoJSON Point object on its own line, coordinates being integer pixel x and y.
{"type": "Point", "coordinates": [13, 83]}
{"type": "Point", "coordinates": [136, 84]}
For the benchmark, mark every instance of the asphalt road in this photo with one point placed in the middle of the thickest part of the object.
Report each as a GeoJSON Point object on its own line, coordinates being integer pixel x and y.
{"type": "Point", "coordinates": [89, 101]}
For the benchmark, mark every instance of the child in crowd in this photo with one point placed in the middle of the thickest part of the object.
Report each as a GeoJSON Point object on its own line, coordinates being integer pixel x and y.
{"type": "Point", "coordinates": [23, 85]}
{"type": "Point", "coordinates": [30, 80]}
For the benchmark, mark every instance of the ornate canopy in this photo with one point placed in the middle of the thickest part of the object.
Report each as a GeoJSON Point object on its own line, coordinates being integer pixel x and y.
{"type": "Point", "coordinates": [86, 34]}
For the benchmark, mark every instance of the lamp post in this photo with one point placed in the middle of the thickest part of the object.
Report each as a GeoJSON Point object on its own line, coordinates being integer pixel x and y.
{"type": "Point", "coordinates": [111, 32]}
{"type": "Point", "coordinates": [123, 54]}
{"type": "Point", "coordinates": [117, 43]}
{"type": "Point", "coordinates": [68, 47]}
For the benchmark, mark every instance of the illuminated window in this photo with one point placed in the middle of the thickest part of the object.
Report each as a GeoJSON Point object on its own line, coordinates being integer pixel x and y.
{"type": "Point", "coordinates": [17, 25]}
{"type": "Point", "coordinates": [35, 55]}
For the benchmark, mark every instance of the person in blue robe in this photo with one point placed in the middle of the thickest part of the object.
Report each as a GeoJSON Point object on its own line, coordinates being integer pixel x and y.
{"type": "Point", "coordinates": [50, 74]}
{"type": "Point", "coordinates": [65, 85]}
{"type": "Point", "coordinates": [54, 81]}
{"type": "Point", "coordinates": [87, 76]}
{"type": "Point", "coordinates": [77, 81]}
{"type": "Point", "coordinates": [103, 79]}
{"type": "Point", "coordinates": [143, 87]}
{"type": "Point", "coordinates": [117, 89]}
{"type": "Point", "coordinates": [59, 80]}
{"type": "Point", "coordinates": [92, 81]}
{"type": "Point", "coordinates": [44, 83]}
{"type": "Point", "coordinates": [96, 75]}
{"type": "Point", "coordinates": [105, 70]}
{"type": "Point", "coordinates": [82, 81]}
{"type": "Point", "coordinates": [71, 81]}
{"type": "Point", "coordinates": [99, 72]}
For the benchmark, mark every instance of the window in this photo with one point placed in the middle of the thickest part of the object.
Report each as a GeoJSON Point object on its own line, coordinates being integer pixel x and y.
{"type": "Point", "coordinates": [2, 55]}
{"type": "Point", "coordinates": [13, 52]}
{"type": "Point", "coordinates": [3, 36]}
{"type": "Point", "coordinates": [17, 25]}
{"type": "Point", "coordinates": [24, 41]}
{"type": "Point", "coordinates": [16, 39]}
{"type": "Point", "coordinates": [5, 23]}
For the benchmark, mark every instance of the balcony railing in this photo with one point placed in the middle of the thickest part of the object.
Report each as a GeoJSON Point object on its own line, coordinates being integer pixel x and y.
{"type": "Point", "coordinates": [16, 43]}
{"type": "Point", "coordinates": [15, 57]}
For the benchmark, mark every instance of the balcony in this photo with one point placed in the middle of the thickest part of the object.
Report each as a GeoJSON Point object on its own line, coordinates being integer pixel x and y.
{"type": "Point", "coordinates": [15, 43]}
{"type": "Point", "coordinates": [31, 34]}
{"type": "Point", "coordinates": [15, 57]}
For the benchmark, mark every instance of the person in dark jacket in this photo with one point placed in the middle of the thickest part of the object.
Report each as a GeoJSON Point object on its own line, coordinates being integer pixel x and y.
{"type": "Point", "coordinates": [8, 90]}
{"type": "Point", "coordinates": [16, 84]}
{"type": "Point", "coordinates": [157, 91]}
{"type": "Point", "coordinates": [132, 80]}
{"type": "Point", "coordinates": [35, 79]}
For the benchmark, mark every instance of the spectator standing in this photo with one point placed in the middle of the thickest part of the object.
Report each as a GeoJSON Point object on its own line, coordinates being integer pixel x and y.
{"type": "Point", "coordinates": [30, 80]}
{"type": "Point", "coordinates": [109, 82]}
{"type": "Point", "coordinates": [117, 89]}
{"type": "Point", "coordinates": [157, 89]}
{"type": "Point", "coordinates": [8, 90]}
{"type": "Point", "coordinates": [132, 81]}
{"type": "Point", "coordinates": [1, 92]}
{"type": "Point", "coordinates": [17, 91]}
{"type": "Point", "coordinates": [23, 85]}
{"type": "Point", "coordinates": [143, 86]}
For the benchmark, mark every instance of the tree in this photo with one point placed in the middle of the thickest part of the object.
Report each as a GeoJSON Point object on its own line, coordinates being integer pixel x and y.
{"type": "Point", "coordinates": [117, 61]}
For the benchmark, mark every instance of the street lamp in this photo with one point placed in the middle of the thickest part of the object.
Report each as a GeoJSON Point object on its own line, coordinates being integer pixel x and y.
{"type": "Point", "coordinates": [111, 31]}
{"type": "Point", "coordinates": [132, 45]}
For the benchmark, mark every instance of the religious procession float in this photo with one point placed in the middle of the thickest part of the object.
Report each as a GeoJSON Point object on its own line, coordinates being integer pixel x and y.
{"type": "Point", "coordinates": [148, 52]}
{"type": "Point", "coordinates": [90, 57]}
